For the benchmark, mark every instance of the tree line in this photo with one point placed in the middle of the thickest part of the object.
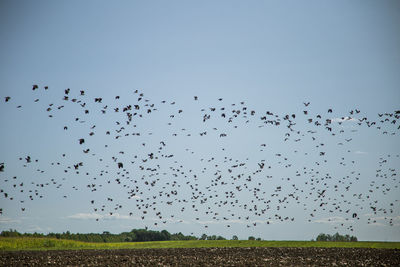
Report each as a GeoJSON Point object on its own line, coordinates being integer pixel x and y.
{"type": "Point", "coordinates": [142, 235]}
{"type": "Point", "coordinates": [336, 238]}
{"type": "Point", "coordinates": [135, 235]}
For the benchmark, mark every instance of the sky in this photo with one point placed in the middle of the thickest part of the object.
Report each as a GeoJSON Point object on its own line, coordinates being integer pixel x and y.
{"type": "Point", "coordinates": [246, 175]}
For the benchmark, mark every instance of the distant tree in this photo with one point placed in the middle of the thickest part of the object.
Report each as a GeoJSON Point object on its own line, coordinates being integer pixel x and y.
{"type": "Point", "coordinates": [336, 238]}
{"type": "Point", "coordinates": [128, 239]}
{"type": "Point", "coordinates": [252, 238]}
{"type": "Point", "coordinates": [35, 234]}
{"type": "Point", "coordinates": [10, 233]}
{"type": "Point", "coordinates": [178, 236]}
{"type": "Point", "coordinates": [212, 237]}
{"type": "Point", "coordinates": [258, 239]}
{"type": "Point", "coordinates": [353, 239]}
{"type": "Point", "coordinates": [235, 237]}
{"type": "Point", "coordinates": [135, 235]}
{"type": "Point", "coordinates": [322, 237]}
{"type": "Point", "coordinates": [165, 235]}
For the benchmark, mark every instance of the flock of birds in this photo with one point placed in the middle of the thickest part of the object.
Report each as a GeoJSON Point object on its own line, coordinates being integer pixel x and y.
{"type": "Point", "coordinates": [121, 155]}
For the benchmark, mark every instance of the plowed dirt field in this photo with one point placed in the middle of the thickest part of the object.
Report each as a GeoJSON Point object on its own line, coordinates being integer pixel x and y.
{"type": "Point", "coordinates": [206, 257]}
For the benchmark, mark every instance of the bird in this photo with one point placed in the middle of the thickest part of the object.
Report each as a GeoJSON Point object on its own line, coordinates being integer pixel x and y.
{"type": "Point", "coordinates": [159, 166]}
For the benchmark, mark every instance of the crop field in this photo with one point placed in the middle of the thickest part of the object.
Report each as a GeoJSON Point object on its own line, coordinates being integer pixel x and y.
{"type": "Point", "coordinates": [60, 244]}
{"type": "Point", "coordinates": [47, 251]}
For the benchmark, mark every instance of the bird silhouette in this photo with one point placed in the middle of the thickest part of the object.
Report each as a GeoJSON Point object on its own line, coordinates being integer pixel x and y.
{"type": "Point", "coordinates": [154, 153]}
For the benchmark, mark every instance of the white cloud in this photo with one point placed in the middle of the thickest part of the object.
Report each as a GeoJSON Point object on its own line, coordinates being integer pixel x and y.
{"type": "Point", "coordinates": [383, 221]}
{"type": "Point", "coordinates": [114, 216]}
{"type": "Point", "coordinates": [6, 220]}
{"type": "Point", "coordinates": [36, 228]}
{"type": "Point", "coordinates": [208, 222]}
{"type": "Point", "coordinates": [85, 216]}
{"type": "Point", "coordinates": [368, 214]}
{"type": "Point", "coordinates": [344, 119]}
{"type": "Point", "coordinates": [333, 220]}
{"type": "Point", "coordinates": [394, 218]}
{"type": "Point", "coordinates": [377, 224]}
{"type": "Point", "coordinates": [235, 221]}
{"type": "Point", "coordinates": [360, 152]}
{"type": "Point", "coordinates": [117, 216]}
{"type": "Point", "coordinates": [177, 221]}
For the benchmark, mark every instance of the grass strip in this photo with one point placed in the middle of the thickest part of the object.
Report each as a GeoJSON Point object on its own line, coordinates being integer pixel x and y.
{"type": "Point", "coordinates": [26, 243]}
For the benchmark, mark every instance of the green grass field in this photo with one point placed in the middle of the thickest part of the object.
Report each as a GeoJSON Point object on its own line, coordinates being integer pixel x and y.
{"type": "Point", "coordinates": [8, 243]}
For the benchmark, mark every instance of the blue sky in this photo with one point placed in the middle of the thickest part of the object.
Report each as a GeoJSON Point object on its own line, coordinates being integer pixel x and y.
{"type": "Point", "coordinates": [271, 55]}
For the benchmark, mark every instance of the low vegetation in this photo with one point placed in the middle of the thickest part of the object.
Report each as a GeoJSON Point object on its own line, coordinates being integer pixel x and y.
{"type": "Point", "coordinates": [143, 238]}
{"type": "Point", "coordinates": [44, 243]}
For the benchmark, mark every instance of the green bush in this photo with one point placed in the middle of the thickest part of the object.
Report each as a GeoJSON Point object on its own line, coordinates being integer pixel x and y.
{"type": "Point", "coordinates": [49, 243]}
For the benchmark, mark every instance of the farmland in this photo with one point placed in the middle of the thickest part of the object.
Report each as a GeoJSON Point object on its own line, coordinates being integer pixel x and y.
{"type": "Point", "coordinates": [48, 251]}
{"type": "Point", "coordinates": [59, 244]}
{"type": "Point", "coordinates": [252, 256]}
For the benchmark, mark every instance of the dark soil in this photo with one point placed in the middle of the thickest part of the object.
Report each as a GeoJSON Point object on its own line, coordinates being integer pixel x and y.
{"type": "Point", "coordinates": [206, 257]}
